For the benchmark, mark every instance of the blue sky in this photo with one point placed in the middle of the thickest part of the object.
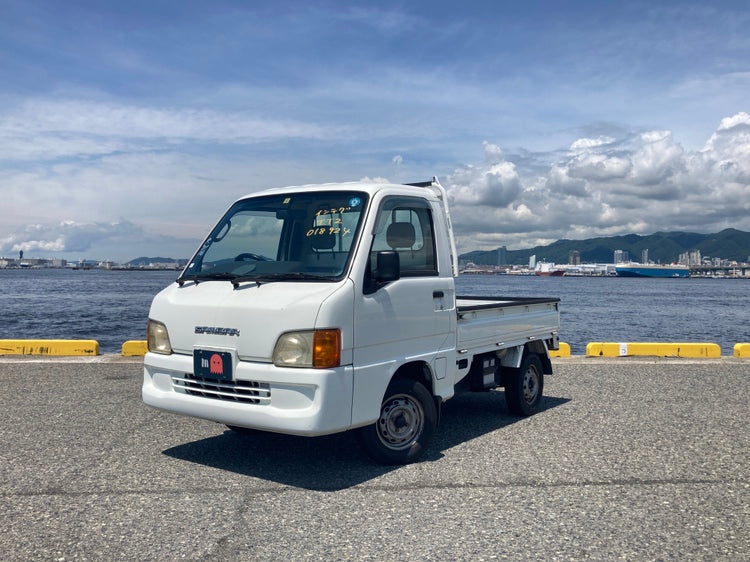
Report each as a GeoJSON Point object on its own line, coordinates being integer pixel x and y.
{"type": "Point", "coordinates": [127, 128]}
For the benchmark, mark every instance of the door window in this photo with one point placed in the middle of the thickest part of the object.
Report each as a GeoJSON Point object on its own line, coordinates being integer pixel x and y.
{"type": "Point", "coordinates": [405, 225]}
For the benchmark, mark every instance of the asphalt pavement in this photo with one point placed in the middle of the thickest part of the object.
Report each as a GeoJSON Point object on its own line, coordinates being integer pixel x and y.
{"type": "Point", "coordinates": [631, 459]}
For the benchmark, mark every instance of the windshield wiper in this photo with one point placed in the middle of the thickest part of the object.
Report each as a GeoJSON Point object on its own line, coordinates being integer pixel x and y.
{"type": "Point", "coordinates": [224, 276]}
{"type": "Point", "coordinates": [295, 276]}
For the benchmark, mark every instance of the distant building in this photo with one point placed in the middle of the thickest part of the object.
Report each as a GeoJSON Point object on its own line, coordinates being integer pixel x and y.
{"type": "Point", "coordinates": [693, 257]}
{"type": "Point", "coordinates": [502, 255]}
{"type": "Point", "coordinates": [532, 262]}
{"type": "Point", "coordinates": [574, 257]}
{"type": "Point", "coordinates": [621, 256]}
{"type": "Point", "coordinates": [644, 256]}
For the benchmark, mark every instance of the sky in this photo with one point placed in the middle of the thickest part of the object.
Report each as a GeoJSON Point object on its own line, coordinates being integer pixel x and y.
{"type": "Point", "coordinates": [127, 128]}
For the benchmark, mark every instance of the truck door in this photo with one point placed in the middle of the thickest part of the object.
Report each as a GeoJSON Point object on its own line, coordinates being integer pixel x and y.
{"type": "Point", "coordinates": [410, 319]}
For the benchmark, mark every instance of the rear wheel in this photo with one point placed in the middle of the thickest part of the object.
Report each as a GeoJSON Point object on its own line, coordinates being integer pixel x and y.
{"type": "Point", "coordinates": [524, 387]}
{"type": "Point", "coordinates": [408, 417]}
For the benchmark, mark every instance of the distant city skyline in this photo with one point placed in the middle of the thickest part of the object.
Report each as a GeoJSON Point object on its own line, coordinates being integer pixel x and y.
{"type": "Point", "coordinates": [688, 257]}
{"type": "Point", "coordinates": [132, 126]}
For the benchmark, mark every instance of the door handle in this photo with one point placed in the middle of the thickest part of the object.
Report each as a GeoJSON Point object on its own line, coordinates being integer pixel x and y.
{"type": "Point", "coordinates": [437, 294]}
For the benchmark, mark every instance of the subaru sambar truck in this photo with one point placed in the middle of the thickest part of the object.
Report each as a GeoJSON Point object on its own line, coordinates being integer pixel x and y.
{"type": "Point", "coordinates": [318, 309]}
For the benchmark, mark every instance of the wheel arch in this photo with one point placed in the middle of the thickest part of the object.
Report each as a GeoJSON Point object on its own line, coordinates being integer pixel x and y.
{"type": "Point", "coordinates": [417, 370]}
{"type": "Point", "coordinates": [539, 348]}
{"type": "Point", "coordinates": [421, 372]}
{"type": "Point", "coordinates": [510, 364]}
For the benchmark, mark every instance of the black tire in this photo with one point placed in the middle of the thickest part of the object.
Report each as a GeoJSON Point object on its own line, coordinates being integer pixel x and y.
{"type": "Point", "coordinates": [407, 421]}
{"type": "Point", "coordinates": [524, 387]}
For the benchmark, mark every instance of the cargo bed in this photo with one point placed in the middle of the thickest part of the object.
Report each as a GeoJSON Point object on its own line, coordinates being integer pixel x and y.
{"type": "Point", "coordinates": [487, 323]}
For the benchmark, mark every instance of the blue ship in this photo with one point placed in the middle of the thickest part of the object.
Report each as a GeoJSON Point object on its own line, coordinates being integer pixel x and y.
{"type": "Point", "coordinates": [642, 270]}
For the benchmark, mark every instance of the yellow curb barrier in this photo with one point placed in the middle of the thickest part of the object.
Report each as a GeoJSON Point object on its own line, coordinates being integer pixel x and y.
{"type": "Point", "coordinates": [49, 347]}
{"type": "Point", "coordinates": [659, 349]}
{"type": "Point", "coordinates": [134, 347]}
{"type": "Point", "coordinates": [564, 350]}
{"type": "Point", "coordinates": [742, 350]}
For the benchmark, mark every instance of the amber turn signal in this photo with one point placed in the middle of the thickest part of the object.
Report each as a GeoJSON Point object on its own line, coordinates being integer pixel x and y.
{"type": "Point", "coordinates": [327, 349]}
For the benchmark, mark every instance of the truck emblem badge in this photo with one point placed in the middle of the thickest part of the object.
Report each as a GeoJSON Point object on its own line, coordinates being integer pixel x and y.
{"type": "Point", "coordinates": [217, 331]}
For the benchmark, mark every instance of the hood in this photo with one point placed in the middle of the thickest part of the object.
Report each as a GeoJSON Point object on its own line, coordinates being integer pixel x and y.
{"type": "Point", "coordinates": [213, 314]}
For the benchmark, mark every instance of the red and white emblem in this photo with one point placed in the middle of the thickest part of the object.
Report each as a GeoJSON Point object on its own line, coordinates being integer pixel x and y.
{"type": "Point", "coordinates": [216, 366]}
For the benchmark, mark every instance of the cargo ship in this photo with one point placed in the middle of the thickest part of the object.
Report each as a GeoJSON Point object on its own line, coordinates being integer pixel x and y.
{"type": "Point", "coordinates": [643, 270]}
{"type": "Point", "coordinates": [548, 270]}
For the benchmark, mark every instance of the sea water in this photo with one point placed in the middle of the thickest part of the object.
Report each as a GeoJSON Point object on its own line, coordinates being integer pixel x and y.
{"type": "Point", "coordinates": [112, 306]}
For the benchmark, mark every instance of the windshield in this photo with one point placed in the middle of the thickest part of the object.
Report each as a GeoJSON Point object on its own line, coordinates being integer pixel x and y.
{"type": "Point", "coordinates": [278, 237]}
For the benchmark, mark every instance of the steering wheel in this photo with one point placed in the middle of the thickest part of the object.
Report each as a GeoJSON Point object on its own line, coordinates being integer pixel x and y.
{"type": "Point", "coordinates": [248, 256]}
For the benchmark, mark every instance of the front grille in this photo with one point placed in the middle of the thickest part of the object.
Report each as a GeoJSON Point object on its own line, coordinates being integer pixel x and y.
{"type": "Point", "coordinates": [247, 392]}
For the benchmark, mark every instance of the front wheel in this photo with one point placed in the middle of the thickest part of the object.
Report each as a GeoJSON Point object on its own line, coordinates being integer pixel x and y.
{"type": "Point", "coordinates": [408, 417]}
{"type": "Point", "coordinates": [524, 386]}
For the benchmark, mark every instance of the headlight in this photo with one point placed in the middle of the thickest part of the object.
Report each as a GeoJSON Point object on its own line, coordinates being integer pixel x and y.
{"type": "Point", "coordinates": [158, 338]}
{"type": "Point", "coordinates": [320, 349]}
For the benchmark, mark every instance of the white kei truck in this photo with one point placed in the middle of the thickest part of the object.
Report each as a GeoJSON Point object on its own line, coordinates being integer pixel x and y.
{"type": "Point", "coordinates": [318, 309]}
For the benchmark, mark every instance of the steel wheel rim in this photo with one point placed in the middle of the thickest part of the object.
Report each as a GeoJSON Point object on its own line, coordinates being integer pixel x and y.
{"type": "Point", "coordinates": [401, 422]}
{"type": "Point", "coordinates": [530, 385]}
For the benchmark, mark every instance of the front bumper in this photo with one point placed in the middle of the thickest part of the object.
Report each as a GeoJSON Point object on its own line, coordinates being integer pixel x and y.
{"type": "Point", "coordinates": [294, 401]}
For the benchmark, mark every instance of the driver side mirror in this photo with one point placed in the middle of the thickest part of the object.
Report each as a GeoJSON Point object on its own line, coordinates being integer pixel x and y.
{"type": "Point", "coordinates": [388, 268]}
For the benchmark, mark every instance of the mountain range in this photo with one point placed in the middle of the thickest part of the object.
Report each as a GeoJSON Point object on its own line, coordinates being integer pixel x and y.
{"type": "Point", "coordinates": [663, 247]}
{"type": "Point", "coordinates": [146, 261]}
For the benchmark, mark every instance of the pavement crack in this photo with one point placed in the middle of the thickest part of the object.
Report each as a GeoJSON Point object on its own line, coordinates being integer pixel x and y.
{"type": "Point", "coordinates": [284, 488]}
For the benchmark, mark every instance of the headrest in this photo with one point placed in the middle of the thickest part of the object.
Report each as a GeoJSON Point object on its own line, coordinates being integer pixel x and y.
{"type": "Point", "coordinates": [323, 241]}
{"type": "Point", "coordinates": [400, 235]}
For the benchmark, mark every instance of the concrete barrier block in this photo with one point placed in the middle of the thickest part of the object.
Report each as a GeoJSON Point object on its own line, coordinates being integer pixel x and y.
{"type": "Point", "coordinates": [49, 347]}
{"type": "Point", "coordinates": [742, 350]}
{"type": "Point", "coordinates": [134, 347]}
{"type": "Point", "coordinates": [564, 350]}
{"type": "Point", "coordinates": [659, 349]}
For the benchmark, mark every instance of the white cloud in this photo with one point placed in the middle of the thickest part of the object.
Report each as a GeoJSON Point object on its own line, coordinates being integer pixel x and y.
{"type": "Point", "coordinates": [67, 236]}
{"type": "Point", "coordinates": [492, 153]}
{"type": "Point", "coordinates": [606, 186]}
{"type": "Point", "coordinates": [656, 159]}
{"type": "Point", "coordinates": [728, 149]}
{"type": "Point", "coordinates": [610, 183]}
{"type": "Point", "coordinates": [46, 128]}
{"type": "Point", "coordinates": [586, 144]}
{"type": "Point", "coordinates": [495, 183]}
{"type": "Point", "coordinates": [741, 119]}
{"type": "Point", "coordinates": [599, 167]}
{"type": "Point", "coordinates": [73, 240]}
